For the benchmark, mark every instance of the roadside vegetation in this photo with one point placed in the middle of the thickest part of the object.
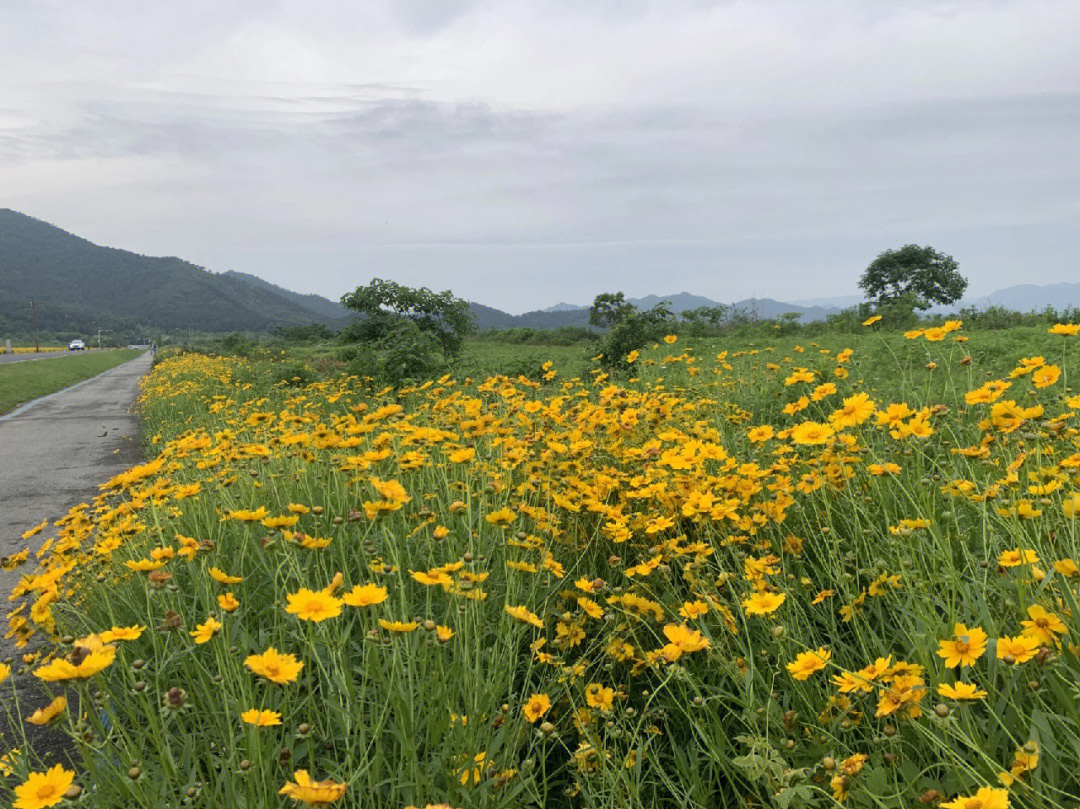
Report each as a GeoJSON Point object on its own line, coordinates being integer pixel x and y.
{"type": "Point", "coordinates": [21, 382]}
{"type": "Point", "coordinates": [712, 571]}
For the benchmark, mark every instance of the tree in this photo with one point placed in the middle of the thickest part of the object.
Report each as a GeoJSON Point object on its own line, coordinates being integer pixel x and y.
{"type": "Point", "coordinates": [386, 307]}
{"type": "Point", "coordinates": [608, 309]}
{"type": "Point", "coordinates": [628, 327]}
{"type": "Point", "coordinates": [921, 274]}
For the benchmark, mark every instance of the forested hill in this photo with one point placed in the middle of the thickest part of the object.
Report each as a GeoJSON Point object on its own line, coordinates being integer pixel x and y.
{"type": "Point", "coordinates": [76, 284]}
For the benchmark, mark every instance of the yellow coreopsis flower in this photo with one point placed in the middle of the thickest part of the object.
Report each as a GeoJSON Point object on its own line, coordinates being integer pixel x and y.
{"type": "Point", "coordinates": [537, 706]}
{"type": "Point", "coordinates": [261, 719]}
{"type": "Point", "coordinates": [985, 798]}
{"type": "Point", "coordinates": [967, 646]}
{"type": "Point", "coordinates": [206, 630]}
{"type": "Point", "coordinates": [274, 666]}
{"type": "Point", "coordinates": [806, 663]}
{"type": "Point", "coordinates": [682, 640]}
{"type": "Point", "coordinates": [43, 716]}
{"type": "Point", "coordinates": [312, 792]}
{"type": "Point", "coordinates": [763, 603]}
{"type": "Point", "coordinates": [365, 595]}
{"type": "Point", "coordinates": [87, 665]}
{"type": "Point", "coordinates": [313, 605]}
{"type": "Point", "coordinates": [961, 691]}
{"type": "Point", "coordinates": [43, 789]}
{"type": "Point", "coordinates": [523, 614]}
{"type": "Point", "coordinates": [1044, 625]}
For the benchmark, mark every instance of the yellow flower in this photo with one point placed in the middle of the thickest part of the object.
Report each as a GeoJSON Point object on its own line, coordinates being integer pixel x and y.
{"type": "Point", "coordinates": [1065, 329]}
{"type": "Point", "coordinates": [810, 432]}
{"type": "Point", "coordinates": [247, 516]}
{"type": "Point", "coordinates": [274, 666]}
{"type": "Point", "coordinates": [89, 663]}
{"type": "Point", "coordinates": [144, 565]}
{"type": "Point", "coordinates": [870, 321]}
{"type": "Point", "coordinates": [1017, 557]}
{"type": "Point", "coordinates": [985, 798]}
{"type": "Point", "coordinates": [682, 640]}
{"type": "Point", "coordinates": [261, 719]}
{"type": "Point", "coordinates": [1044, 625]}
{"type": "Point", "coordinates": [432, 578]}
{"type": "Point", "coordinates": [693, 609]}
{"type": "Point", "coordinates": [961, 691]}
{"type": "Point", "coordinates": [43, 716]}
{"type": "Point", "coordinates": [462, 455]}
{"type": "Point", "coordinates": [1070, 506]}
{"type": "Point", "coordinates": [670, 338]}
{"type": "Point", "coordinates": [763, 603]}
{"type": "Point", "coordinates": [503, 516]}
{"type": "Point", "coordinates": [1045, 376]}
{"type": "Point", "coordinates": [398, 626]}
{"type": "Point", "coordinates": [632, 356]}
{"type": "Point", "coordinates": [312, 792]}
{"type": "Point", "coordinates": [806, 663]}
{"type": "Point", "coordinates": [1067, 567]}
{"type": "Point", "coordinates": [537, 706]}
{"type": "Point", "coordinates": [968, 646]}
{"type": "Point", "coordinates": [122, 633]}
{"type": "Point", "coordinates": [758, 434]}
{"type": "Point", "coordinates": [309, 605]}
{"type": "Point", "coordinates": [600, 697]}
{"type": "Point", "coordinates": [43, 789]}
{"type": "Point", "coordinates": [365, 595]}
{"type": "Point", "coordinates": [443, 633]}
{"type": "Point", "coordinates": [523, 614]}
{"type": "Point", "coordinates": [206, 630]}
{"type": "Point", "coordinates": [221, 577]}
{"type": "Point", "coordinates": [228, 602]}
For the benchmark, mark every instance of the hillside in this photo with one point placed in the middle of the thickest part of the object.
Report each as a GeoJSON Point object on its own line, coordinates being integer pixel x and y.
{"type": "Point", "coordinates": [326, 309]}
{"type": "Point", "coordinates": [78, 286]}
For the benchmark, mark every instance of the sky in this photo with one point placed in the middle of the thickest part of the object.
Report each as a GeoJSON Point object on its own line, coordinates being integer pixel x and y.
{"type": "Point", "coordinates": [525, 153]}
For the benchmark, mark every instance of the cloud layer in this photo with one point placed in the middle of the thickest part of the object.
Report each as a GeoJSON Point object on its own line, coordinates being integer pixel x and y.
{"type": "Point", "coordinates": [525, 153]}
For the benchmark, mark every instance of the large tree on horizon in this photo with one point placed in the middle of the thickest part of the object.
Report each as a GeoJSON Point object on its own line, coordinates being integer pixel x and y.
{"type": "Point", "coordinates": [920, 273]}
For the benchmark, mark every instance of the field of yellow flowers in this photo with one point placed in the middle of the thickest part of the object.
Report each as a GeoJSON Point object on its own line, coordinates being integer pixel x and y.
{"type": "Point", "coordinates": [740, 577]}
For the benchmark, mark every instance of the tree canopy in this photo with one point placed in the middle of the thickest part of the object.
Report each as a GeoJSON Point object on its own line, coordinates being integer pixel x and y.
{"type": "Point", "coordinates": [921, 274]}
{"type": "Point", "coordinates": [386, 306]}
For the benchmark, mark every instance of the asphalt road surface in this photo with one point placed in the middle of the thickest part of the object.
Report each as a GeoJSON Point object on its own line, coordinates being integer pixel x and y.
{"type": "Point", "coordinates": [44, 355]}
{"type": "Point", "coordinates": [55, 451]}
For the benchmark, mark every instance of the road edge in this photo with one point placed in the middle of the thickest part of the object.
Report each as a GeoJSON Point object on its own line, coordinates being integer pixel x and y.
{"type": "Point", "coordinates": [34, 402]}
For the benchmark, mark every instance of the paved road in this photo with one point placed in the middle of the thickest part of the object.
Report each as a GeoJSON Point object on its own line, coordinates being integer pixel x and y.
{"type": "Point", "coordinates": [56, 450]}
{"type": "Point", "coordinates": [44, 355]}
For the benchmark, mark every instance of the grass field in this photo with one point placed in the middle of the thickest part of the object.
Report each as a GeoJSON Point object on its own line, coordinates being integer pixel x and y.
{"type": "Point", "coordinates": [787, 573]}
{"type": "Point", "coordinates": [23, 381]}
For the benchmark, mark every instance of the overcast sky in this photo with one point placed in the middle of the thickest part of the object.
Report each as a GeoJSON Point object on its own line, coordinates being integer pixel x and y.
{"type": "Point", "coordinates": [523, 153]}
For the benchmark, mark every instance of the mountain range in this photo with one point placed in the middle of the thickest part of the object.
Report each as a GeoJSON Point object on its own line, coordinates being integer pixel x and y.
{"type": "Point", "coordinates": [79, 287]}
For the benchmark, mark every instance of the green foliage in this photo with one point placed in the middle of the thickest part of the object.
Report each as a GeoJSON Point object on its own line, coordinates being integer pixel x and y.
{"type": "Point", "coordinates": [920, 273]}
{"type": "Point", "coordinates": [563, 336]}
{"type": "Point", "coordinates": [311, 333]}
{"type": "Point", "coordinates": [628, 327]}
{"type": "Point", "coordinates": [385, 306]}
{"type": "Point", "coordinates": [609, 309]}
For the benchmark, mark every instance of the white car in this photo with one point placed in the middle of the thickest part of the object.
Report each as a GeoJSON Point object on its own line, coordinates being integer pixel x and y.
{"type": "Point", "coordinates": [76, 345]}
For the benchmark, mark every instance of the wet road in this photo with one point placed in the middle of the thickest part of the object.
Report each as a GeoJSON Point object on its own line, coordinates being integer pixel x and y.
{"type": "Point", "coordinates": [55, 451]}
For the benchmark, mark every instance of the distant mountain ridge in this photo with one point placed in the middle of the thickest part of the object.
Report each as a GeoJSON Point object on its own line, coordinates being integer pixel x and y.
{"type": "Point", "coordinates": [78, 286]}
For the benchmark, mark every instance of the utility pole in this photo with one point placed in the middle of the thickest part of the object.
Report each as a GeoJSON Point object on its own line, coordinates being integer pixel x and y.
{"type": "Point", "coordinates": [33, 316]}
{"type": "Point", "coordinates": [99, 331]}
